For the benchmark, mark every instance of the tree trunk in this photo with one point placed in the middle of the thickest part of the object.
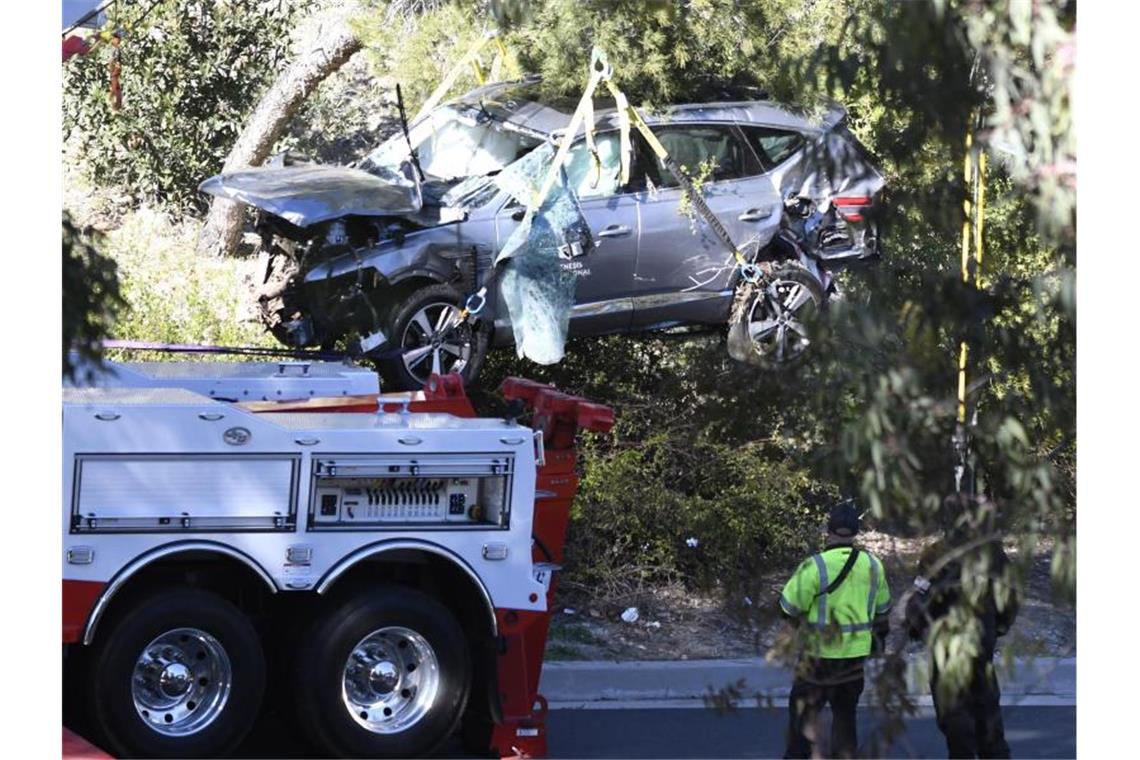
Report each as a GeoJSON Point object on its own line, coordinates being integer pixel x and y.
{"type": "Point", "coordinates": [331, 50]}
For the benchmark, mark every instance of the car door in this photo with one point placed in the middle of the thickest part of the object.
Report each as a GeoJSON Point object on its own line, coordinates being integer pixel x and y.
{"type": "Point", "coordinates": [605, 274]}
{"type": "Point", "coordinates": [684, 272]}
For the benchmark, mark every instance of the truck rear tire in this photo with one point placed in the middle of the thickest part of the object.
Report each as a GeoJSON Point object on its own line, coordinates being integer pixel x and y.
{"type": "Point", "coordinates": [181, 674]}
{"type": "Point", "coordinates": [385, 674]}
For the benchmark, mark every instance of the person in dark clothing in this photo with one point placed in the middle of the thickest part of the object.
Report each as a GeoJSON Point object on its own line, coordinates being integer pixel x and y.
{"type": "Point", "coordinates": [970, 719]}
{"type": "Point", "coordinates": [837, 683]}
{"type": "Point", "coordinates": [840, 599]}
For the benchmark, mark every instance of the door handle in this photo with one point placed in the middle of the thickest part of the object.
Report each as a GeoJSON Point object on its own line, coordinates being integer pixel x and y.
{"type": "Point", "coordinates": [756, 214]}
{"type": "Point", "coordinates": [615, 230]}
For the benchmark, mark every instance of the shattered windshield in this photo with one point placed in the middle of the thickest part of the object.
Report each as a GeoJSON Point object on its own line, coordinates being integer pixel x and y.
{"type": "Point", "coordinates": [455, 142]}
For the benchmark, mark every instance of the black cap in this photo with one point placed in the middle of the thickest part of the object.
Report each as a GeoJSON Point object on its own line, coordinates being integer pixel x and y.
{"type": "Point", "coordinates": [844, 520]}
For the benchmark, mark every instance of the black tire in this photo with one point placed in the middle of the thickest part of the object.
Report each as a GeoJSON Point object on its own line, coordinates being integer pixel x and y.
{"type": "Point", "coordinates": [476, 733]}
{"type": "Point", "coordinates": [323, 696]}
{"type": "Point", "coordinates": [765, 304]}
{"type": "Point", "coordinates": [165, 616]}
{"type": "Point", "coordinates": [407, 334]}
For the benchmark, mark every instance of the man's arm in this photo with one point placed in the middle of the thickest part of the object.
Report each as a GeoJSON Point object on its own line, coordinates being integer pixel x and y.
{"type": "Point", "coordinates": [799, 591]}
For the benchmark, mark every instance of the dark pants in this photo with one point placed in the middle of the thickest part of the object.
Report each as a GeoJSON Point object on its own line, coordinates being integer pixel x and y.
{"type": "Point", "coordinates": [837, 683]}
{"type": "Point", "coordinates": [971, 721]}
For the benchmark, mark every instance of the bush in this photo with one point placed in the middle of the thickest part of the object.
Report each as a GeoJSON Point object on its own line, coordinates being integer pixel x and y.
{"type": "Point", "coordinates": [713, 515]}
{"type": "Point", "coordinates": [176, 294]}
{"type": "Point", "coordinates": [191, 73]}
{"type": "Point", "coordinates": [702, 448]}
{"type": "Point", "coordinates": [91, 295]}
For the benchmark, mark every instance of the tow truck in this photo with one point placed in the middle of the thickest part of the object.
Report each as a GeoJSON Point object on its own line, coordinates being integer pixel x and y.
{"type": "Point", "coordinates": [383, 563]}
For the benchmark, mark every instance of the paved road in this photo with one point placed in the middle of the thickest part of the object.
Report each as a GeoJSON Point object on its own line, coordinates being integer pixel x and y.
{"type": "Point", "coordinates": [1044, 732]}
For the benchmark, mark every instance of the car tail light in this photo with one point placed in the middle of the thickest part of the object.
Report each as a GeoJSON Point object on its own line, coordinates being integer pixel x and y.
{"type": "Point", "coordinates": [851, 207]}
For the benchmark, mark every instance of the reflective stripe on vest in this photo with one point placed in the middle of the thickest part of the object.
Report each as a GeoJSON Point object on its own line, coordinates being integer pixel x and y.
{"type": "Point", "coordinates": [821, 566]}
{"type": "Point", "coordinates": [874, 586]}
{"type": "Point", "coordinates": [821, 601]}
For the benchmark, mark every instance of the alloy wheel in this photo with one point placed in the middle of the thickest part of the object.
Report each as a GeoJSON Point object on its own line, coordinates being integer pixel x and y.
{"type": "Point", "coordinates": [431, 345]}
{"type": "Point", "coordinates": [778, 319]}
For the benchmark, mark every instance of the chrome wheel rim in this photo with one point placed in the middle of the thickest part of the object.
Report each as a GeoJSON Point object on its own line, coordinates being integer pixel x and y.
{"type": "Point", "coordinates": [777, 320]}
{"type": "Point", "coordinates": [181, 682]}
{"type": "Point", "coordinates": [431, 346]}
{"type": "Point", "coordinates": [391, 680]}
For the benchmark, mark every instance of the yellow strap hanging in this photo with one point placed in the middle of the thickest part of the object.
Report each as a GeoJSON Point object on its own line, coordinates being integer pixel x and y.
{"type": "Point", "coordinates": [599, 70]}
{"type": "Point", "coordinates": [626, 149]}
{"type": "Point", "coordinates": [471, 58]}
{"type": "Point", "coordinates": [974, 174]}
{"type": "Point", "coordinates": [591, 147]}
{"type": "Point", "coordinates": [967, 213]}
{"type": "Point", "coordinates": [979, 212]}
{"type": "Point", "coordinates": [499, 61]}
{"type": "Point", "coordinates": [749, 270]}
{"type": "Point", "coordinates": [477, 70]}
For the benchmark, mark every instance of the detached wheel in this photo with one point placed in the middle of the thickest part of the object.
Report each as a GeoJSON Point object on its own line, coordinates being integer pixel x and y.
{"type": "Point", "coordinates": [387, 674]}
{"type": "Point", "coordinates": [419, 323]}
{"type": "Point", "coordinates": [775, 322]}
{"type": "Point", "coordinates": [180, 675]}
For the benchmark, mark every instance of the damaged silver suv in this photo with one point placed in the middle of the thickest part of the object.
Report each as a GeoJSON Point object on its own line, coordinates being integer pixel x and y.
{"type": "Point", "coordinates": [370, 255]}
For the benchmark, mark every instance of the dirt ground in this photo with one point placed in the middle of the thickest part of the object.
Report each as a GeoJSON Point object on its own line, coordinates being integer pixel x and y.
{"type": "Point", "coordinates": [675, 624]}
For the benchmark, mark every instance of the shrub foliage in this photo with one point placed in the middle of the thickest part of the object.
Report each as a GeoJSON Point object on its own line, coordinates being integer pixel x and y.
{"type": "Point", "coordinates": [192, 71]}
{"type": "Point", "coordinates": [91, 296]}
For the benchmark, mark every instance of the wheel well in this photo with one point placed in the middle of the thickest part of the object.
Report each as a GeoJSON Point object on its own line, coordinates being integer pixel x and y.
{"type": "Point", "coordinates": [402, 288]}
{"type": "Point", "coordinates": [389, 298]}
{"type": "Point", "coordinates": [445, 580]}
{"type": "Point", "coordinates": [778, 250]}
{"type": "Point", "coordinates": [228, 577]}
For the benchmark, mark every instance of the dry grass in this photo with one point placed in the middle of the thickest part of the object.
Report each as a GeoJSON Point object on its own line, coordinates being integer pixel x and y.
{"type": "Point", "coordinates": [675, 623]}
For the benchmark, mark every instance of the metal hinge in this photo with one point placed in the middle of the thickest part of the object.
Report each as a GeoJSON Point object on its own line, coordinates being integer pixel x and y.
{"type": "Point", "coordinates": [80, 555]}
{"type": "Point", "coordinates": [539, 449]}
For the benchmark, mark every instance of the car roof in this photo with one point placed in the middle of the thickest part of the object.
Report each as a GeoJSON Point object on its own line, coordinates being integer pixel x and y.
{"type": "Point", "coordinates": [522, 102]}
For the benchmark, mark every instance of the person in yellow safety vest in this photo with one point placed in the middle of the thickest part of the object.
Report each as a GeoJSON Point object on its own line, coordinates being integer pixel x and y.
{"type": "Point", "coordinates": [840, 600]}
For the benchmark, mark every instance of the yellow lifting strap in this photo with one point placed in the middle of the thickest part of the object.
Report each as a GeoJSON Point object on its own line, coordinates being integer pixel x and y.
{"type": "Point", "coordinates": [599, 67]}
{"type": "Point", "coordinates": [973, 208]}
{"type": "Point", "coordinates": [601, 73]}
{"type": "Point", "coordinates": [470, 58]}
{"type": "Point", "coordinates": [750, 272]}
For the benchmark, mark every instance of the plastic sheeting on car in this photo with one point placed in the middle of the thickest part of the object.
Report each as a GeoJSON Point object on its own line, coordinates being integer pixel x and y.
{"type": "Point", "coordinates": [306, 195]}
{"type": "Point", "coordinates": [535, 284]}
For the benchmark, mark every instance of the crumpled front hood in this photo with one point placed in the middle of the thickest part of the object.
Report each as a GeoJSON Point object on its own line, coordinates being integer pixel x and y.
{"type": "Point", "coordinates": [305, 195]}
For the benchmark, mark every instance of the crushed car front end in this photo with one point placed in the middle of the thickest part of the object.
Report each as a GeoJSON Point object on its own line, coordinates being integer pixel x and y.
{"type": "Point", "coordinates": [341, 245]}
